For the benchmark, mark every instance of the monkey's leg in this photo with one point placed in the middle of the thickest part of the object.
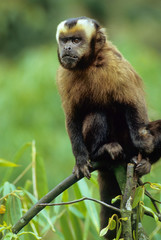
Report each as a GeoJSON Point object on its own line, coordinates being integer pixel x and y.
{"type": "Point", "coordinates": [96, 136]}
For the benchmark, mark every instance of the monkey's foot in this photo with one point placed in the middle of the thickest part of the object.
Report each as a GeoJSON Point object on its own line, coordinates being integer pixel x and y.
{"type": "Point", "coordinates": [82, 168]}
{"type": "Point", "coordinates": [142, 167]}
{"type": "Point", "coordinates": [114, 149]}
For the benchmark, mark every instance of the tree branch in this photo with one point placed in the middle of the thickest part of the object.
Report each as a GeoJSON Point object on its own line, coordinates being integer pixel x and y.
{"type": "Point", "coordinates": [35, 209]}
{"type": "Point", "coordinates": [68, 182]}
{"type": "Point", "coordinates": [126, 205]}
{"type": "Point", "coordinates": [80, 200]}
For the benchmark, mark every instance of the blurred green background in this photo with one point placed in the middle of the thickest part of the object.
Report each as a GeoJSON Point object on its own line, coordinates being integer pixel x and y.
{"type": "Point", "coordinates": [30, 106]}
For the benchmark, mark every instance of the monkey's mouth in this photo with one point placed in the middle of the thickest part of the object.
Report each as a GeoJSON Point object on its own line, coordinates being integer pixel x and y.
{"type": "Point", "coordinates": [68, 57]}
{"type": "Point", "coordinates": [69, 61]}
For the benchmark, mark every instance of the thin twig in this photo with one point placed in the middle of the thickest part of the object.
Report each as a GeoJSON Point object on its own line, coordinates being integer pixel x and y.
{"type": "Point", "coordinates": [80, 200]}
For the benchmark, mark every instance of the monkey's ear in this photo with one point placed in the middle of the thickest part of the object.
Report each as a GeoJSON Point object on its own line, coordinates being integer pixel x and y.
{"type": "Point", "coordinates": [100, 38]}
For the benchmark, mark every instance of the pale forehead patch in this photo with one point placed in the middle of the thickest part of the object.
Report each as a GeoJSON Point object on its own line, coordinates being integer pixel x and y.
{"type": "Point", "coordinates": [82, 24]}
{"type": "Point", "coordinates": [60, 28]}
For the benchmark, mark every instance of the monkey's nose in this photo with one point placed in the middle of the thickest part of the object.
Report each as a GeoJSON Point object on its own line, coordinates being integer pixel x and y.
{"type": "Point", "coordinates": [67, 48]}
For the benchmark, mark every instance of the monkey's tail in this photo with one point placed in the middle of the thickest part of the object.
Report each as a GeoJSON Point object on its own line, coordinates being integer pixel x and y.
{"type": "Point", "coordinates": [109, 189]}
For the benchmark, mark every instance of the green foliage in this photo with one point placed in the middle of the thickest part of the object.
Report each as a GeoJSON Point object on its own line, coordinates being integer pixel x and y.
{"type": "Point", "coordinates": [14, 201]}
{"type": "Point", "coordinates": [114, 223]}
{"type": "Point", "coordinates": [139, 196]}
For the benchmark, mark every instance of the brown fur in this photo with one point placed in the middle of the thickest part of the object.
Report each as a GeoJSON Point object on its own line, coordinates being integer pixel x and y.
{"type": "Point", "coordinates": [109, 78]}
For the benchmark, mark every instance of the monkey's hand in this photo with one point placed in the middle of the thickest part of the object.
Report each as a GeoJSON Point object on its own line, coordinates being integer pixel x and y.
{"type": "Point", "coordinates": [82, 167]}
{"type": "Point", "coordinates": [147, 140]}
{"type": "Point", "coordinates": [142, 167]}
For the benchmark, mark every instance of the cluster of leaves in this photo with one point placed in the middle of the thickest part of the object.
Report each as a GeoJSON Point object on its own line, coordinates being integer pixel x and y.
{"type": "Point", "coordinates": [15, 201]}
{"type": "Point", "coordinates": [79, 221]}
{"type": "Point", "coordinates": [139, 208]}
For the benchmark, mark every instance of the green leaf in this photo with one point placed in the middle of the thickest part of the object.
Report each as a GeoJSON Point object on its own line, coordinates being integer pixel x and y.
{"type": "Point", "coordinates": [31, 233]}
{"type": "Point", "coordinates": [44, 220]}
{"type": "Point", "coordinates": [139, 195]}
{"type": "Point", "coordinates": [7, 188]}
{"type": "Point", "coordinates": [86, 229]}
{"type": "Point", "coordinates": [41, 179]}
{"type": "Point", "coordinates": [5, 163]}
{"type": "Point", "coordinates": [76, 212]}
{"type": "Point", "coordinates": [104, 231]}
{"type": "Point", "coordinates": [34, 175]}
{"type": "Point", "coordinates": [30, 197]}
{"type": "Point", "coordinates": [124, 219]}
{"type": "Point", "coordinates": [14, 208]}
{"type": "Point", "coordinates": [81, 206]}
{"type": "Point", "coordinates": [9, 236]}
{"type": "Point", "coordinates": [120, 174]}
{"type": "Point", "coordinates": [151, 211]}
{"type": "Point", "coordinates": [94, 180]}
{"type": "Point", "coordinates": [134, 234]}
{"type": "Point", "coordinates": [76, 226]}
{"type": "Point", "coordinates": [90, 206]}
{"type": "Point", "coordinates": [16, 159]}
{"type": "Point", "coordinates": [119, 232]}
{"type": "Point", "coordinates": [65, 196]}
{"type": "Point", "coordinates": [66, 227]}
{"type": "Point", "coordinates": [13, 204]}
{"type": "Point", "coordinates": [112, 224]}
{"type": "Point", "coordinates": [156, 186]}
{"type": "Point", "coordinates": [116, 199]}
{"type": "Point", "coordinates": [57, 209]}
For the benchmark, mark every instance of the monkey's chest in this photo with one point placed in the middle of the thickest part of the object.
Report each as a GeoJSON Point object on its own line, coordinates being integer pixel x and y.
{"type": "Point", "coordinates": [88, 94]}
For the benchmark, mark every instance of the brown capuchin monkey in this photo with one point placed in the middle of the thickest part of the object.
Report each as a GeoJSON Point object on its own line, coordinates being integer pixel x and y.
{"type": "Point", "coordinates": [104, 105]}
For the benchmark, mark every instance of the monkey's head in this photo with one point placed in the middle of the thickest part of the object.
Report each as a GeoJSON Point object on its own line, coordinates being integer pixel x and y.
{"type": "Point", "coordinates": [79, 40]}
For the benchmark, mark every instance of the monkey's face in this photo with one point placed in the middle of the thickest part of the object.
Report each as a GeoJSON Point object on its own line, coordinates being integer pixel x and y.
{"type": "Point", "coordinates": [72, 48]}
{"type": "Point", "coordinates": [75, 37]}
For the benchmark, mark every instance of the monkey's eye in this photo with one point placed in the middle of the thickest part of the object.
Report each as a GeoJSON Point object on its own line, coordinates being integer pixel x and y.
{"type": "Point", "coordinates": [76, 40]}
{"type": "Point", "coordinates": [64, 40]}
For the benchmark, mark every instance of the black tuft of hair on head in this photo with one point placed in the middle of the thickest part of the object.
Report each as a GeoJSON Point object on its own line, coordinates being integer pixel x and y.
{"type": "Point", "coordinates": [71, 22]}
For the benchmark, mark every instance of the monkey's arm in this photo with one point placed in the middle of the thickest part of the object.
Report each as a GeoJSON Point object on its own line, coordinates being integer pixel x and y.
{"type": "Point", "coordinates": [136, 120]}
{"type": "Point", "coordinates": [74, 128]}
